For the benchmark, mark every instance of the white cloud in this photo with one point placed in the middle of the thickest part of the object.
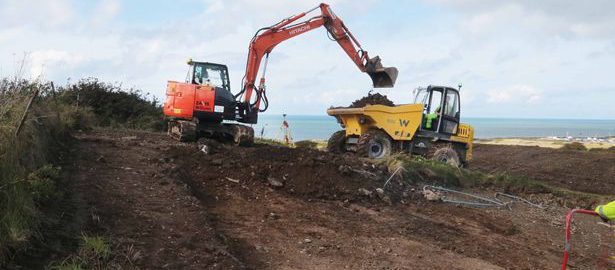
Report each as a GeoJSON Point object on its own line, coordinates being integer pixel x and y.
{"type": "Point", "coordinates": [40, 60]}
{"type": "Point", "coordinates": [105, 11]}
{"type": "Point", "coordinates": [44, 14]}
{"type": "Point", "coordinates": [562, 18]}
{"type": "Point", "coordinates": [514, 94]}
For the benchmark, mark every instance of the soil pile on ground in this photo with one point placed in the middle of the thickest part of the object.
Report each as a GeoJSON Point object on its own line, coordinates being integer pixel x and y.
{"type": "Point", "coordinates": [303, 172]}
{"type": "Point", "coordinates": [372, 99]}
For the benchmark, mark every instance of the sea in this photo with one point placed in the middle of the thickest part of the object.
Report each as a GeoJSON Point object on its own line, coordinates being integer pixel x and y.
{"type": "Point", "coordinates": [320, 127]}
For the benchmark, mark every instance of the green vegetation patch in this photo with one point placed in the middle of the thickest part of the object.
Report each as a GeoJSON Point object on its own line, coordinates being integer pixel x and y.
{"type": "Point", "coordinates": [421, 170]}
{"type": "Point", "coordinates": [574, 146]}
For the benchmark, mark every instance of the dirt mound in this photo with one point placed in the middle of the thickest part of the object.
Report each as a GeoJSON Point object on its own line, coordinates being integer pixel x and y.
{"type": "Point", "coordinates": [372, 99]}
{"type": "Point", "coordinates": [303, 172]}
{"type": "Point", "coordinates": [587, 171]}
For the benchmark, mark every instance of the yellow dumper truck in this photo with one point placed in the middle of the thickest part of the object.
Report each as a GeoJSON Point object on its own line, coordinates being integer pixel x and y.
{"type": "Point", "coordinates": [430, 127]}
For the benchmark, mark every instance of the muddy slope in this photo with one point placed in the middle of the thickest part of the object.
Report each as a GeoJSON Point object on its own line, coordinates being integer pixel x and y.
{"type": "Point", "coordinates": [268, 207]}
{"type": "Point", "coordinates": [133, 199]}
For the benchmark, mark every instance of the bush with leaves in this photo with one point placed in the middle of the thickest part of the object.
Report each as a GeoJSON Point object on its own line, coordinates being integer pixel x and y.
{"type": "Point", "coordinates": [114, 106]}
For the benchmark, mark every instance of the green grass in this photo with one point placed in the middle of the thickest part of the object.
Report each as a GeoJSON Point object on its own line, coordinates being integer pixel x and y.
{"type": "Point", "coordinates": [421, 170]}
{"type": "Point", "coordinates": [94, 252]}
{"type": "Point", "coordinates": [575, 146]}
{"type": "Point", "coordinates": [96, 246]}
{"type": "Point", "coordinates": [270, 142]}
{"type": "Point", "coordinates": [312, 144]}
{"type": "Point", "coordinates": [68, 265]}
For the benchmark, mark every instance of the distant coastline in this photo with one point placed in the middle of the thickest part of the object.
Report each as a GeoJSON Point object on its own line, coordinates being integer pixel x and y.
{"type": "Point", "coordinates": [320, 127]}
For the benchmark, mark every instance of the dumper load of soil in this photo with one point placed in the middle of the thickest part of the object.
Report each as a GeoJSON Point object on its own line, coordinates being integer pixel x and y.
{"type": "Point", "coordinates": [372, 99]}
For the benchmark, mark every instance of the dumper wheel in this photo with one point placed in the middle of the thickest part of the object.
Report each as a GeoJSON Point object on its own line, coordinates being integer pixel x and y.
{"type": "Point", "coordinates": [374, 144]}
{"type": "Point", "coordinates": [447, 155]}
{"type": "Point", "coordinates": [337, 142]}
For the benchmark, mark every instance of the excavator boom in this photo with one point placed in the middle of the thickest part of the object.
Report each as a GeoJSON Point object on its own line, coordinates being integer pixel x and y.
{"type": "Point", "coordinates": [267, 38]}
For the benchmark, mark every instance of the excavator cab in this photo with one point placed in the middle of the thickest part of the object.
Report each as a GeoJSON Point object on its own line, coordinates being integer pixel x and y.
{"type": "Point", "coordinates": [202, 73]}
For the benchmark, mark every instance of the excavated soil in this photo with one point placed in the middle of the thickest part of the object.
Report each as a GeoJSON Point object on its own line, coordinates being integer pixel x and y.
{"type": "Point", "coordinates": [267, 207]}
{"type": "Point", "coordinates": [372, 99]}
{"type": "Point", "coordinates": [587, 171]}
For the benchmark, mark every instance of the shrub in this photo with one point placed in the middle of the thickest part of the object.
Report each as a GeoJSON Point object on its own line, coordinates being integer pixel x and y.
{"type": "Point", "coordinates": [26, 179]}
{"type": "Point", "coordinates": [112, 105]}
{"type": "Point", "coordinates": [575, 146]}
{"type": "Point", "coordinates": [42, 183]}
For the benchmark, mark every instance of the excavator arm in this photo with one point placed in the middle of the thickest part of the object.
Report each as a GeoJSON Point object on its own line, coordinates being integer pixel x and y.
{"type": "Point", "coordinates": [267, 38]}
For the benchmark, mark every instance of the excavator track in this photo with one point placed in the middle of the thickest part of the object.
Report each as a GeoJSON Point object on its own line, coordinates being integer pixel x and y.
{"type": "Point", "coordinates": [189, 131]}
{"type": "Point", "coordinates": [240, 134]}
{"type": "Point", "coordinates": [182, 130]}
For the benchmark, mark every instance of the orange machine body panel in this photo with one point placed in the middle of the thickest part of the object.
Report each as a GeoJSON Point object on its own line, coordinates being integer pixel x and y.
{"type": "Point", "coordinates": [183, 99]}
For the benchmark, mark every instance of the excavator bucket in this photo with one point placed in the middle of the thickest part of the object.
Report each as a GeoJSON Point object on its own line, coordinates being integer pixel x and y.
{"type": "Point", "coordinates": [382, 77]}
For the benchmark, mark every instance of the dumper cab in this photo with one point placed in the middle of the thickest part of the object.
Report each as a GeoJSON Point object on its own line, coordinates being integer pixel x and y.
{"type": "Point", "coordinates": [430, 127]}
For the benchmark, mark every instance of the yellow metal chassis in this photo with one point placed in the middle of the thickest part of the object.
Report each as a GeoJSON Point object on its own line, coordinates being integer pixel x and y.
{"type": "Point", "coordinates": [400, 122]}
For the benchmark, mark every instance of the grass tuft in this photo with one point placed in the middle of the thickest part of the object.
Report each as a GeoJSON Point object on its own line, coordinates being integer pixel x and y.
{"type": "Point", "coordinates": [96, 247]}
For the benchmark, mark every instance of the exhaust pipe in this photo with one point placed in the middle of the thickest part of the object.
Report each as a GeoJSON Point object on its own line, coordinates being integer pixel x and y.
{"type": "Point", "coordinates": [382, 77]}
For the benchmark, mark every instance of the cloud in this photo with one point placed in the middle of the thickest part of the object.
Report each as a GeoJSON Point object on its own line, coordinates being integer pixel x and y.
{"type": "Point", "coordinates": [105, 10]}
{"type": "Point", "coordinates": [559, 18]}
{"type": "Point", "coordinates": [515, 94]}
{"type": "Point", "coordinates": [39, 60]}
{"type": "Point", "coordinates": [42, 14]}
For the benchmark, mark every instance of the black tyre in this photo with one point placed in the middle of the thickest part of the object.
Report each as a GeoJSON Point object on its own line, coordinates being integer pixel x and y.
{"type": "Point", "coordinates": [337, 142]}
{"type": "Point", "coordinates": [447, 155]}
{"type": "Point", "coordinates": [374, 144]}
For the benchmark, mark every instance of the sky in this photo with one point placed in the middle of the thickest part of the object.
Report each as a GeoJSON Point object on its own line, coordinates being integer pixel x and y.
{"type": "Point", "coordinates": [515, 59]}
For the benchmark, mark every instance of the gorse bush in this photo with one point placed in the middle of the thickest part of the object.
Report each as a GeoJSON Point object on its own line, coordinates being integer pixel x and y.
{"type": "Point", "coordinates": [114, 106]}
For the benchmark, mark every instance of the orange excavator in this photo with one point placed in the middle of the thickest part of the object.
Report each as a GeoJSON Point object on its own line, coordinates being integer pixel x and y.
{"type": "Point", "coordinates": [203, 104]}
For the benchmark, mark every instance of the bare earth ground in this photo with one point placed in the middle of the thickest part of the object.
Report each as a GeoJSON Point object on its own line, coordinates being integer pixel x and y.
{"type": "Point", "coordinates": [268, 207]}
{"type": "Point", "coordinates": [588, 171]}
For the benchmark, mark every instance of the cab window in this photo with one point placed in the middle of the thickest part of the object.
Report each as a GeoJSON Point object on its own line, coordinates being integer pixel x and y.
{"type": "Point", "coordinates": [436, 101]}
{"type": "Point", "coordinates": [211, 74]}
{"type": "Point", "coordinates": [452, 104]}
